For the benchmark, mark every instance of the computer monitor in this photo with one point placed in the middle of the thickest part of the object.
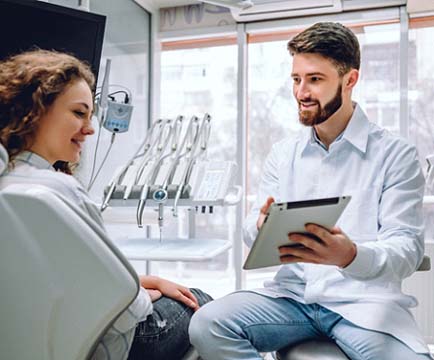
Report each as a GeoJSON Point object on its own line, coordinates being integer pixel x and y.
{"type": "Point", "coordinates": [26, 24]}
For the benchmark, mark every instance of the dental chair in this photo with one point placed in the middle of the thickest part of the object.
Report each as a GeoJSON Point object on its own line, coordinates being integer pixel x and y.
{"type": "Point", "coordinates": [324, 348]}
{"type": "Point", "coordinates": [62, 282]}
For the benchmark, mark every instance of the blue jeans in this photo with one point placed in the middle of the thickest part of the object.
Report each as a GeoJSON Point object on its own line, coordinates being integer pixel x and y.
{"type": "Point", "coordinates": [243, 324]}
{"type": "Point", "coordinates": [164, 333]}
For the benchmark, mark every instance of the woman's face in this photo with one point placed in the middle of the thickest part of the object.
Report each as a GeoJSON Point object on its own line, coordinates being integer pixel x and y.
{"type": "Point", "coordinates": [64, 127]}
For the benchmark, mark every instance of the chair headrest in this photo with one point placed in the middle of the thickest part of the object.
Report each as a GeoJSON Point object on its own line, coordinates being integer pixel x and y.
{"type": "Point", "coordinates": [4, 159]}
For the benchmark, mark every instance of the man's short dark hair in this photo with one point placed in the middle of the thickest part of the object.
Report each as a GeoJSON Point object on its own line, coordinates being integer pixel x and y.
{"type": "Point", "coordinates": [331, 40]}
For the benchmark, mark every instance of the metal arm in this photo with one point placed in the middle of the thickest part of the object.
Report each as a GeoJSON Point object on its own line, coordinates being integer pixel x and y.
{"type": "Point", "coordinates": [184, 180]}
{"type": "Point", "coordinates": [146, 145]}
{"type": "Point", "coordinates": [164, 141]}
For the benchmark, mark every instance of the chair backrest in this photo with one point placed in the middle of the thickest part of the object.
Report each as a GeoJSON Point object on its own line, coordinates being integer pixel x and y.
{"type": "Point", "coordinates": [62, 282]}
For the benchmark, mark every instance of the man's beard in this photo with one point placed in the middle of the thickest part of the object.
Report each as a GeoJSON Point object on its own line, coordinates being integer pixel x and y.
{"type": "Point", "coordinates": [309, 118]}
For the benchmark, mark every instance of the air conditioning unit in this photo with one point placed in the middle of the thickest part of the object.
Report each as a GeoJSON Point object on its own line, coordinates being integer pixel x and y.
{"type": "Point", "coordinates": [420, 7]}
{"type": "Point", "coordinates": [274, 9]}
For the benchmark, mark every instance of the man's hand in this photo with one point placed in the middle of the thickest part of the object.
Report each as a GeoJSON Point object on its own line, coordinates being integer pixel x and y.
{"type": "Point", "coordinates": [263, 212]}
{"type": "Point", "coordinates": [330, 247]}
{"type": "Point", "coordinates": [169, 289]}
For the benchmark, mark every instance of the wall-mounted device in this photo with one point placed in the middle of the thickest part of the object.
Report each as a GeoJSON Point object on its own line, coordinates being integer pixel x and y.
{"type": "Point", "coordinates": [118, 117]}
{"type": "Point", "coordinates": [112, 115]}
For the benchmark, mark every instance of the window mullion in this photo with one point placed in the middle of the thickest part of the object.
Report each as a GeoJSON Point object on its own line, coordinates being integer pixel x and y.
{"type": "Point", "coordinates": [241, 152]}
{"type": "Point", "coordinates": [403, 75]}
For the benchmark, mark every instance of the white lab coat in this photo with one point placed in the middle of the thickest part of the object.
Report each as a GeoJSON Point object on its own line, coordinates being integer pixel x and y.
{"type": "Point", "coordinates": [384, 218]}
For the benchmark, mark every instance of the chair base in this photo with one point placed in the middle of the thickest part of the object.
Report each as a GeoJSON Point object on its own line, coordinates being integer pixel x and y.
{"type": "Point", "coordinates": [191, 354]}
{"type": "Point", "coordinates": [318, 349]}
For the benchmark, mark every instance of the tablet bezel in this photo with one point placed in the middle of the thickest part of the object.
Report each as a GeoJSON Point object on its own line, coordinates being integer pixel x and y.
{"type": "Point", "coordinates": [278, 224]}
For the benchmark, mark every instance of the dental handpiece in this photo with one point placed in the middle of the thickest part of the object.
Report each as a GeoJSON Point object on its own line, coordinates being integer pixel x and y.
{"type": "Point", "coordinates": [160, 196]}
{"type": "Point", "coordinates": [141, 205]}
{"type": "Point", "coordinates": [160, 219]}
{"type": "Point", "coordinates": [130, 162]}
{"type": "Point", "coordinates": [162, 145]}
{"type": "Point", "coordinates": [191, 162]}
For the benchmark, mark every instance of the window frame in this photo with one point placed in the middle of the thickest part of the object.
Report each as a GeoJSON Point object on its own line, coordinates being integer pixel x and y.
{"type": "Point", "coordinates": [249, 33]}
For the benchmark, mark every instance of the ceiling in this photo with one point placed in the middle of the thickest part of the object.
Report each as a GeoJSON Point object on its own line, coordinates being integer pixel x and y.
{"type": "Point", "coordinates": [412, 5]}
{"type": "Point", "coordinates": [169, 3]}
{"type": "Point", "coordinates": [420, 5]}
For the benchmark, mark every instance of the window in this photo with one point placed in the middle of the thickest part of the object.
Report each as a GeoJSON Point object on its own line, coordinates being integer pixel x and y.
{"type": "Point", "coordinates": [421, 87]}
{"type": "Point", "coordinates": [421, 106]}
{"type": "Point", "coordinates": [378, 90]}
{"type": "Point", "coordinates": [273, 112]}
{"type": "Point", "coordinates": [200, 76]}
{"type": "Point", "coordinates": [205, 81]}
{"type": "Point", "coordinates": [272, 108]}
{"type": "Point", "coordinates": [195, 81]}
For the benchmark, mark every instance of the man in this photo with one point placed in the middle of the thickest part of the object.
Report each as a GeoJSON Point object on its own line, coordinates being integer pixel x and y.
{"type": "Point", "coordinates": [346, 287]}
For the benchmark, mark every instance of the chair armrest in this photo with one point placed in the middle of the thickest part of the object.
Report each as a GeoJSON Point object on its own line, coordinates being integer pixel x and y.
{"type": "Point", "coordinates": [426, 264]}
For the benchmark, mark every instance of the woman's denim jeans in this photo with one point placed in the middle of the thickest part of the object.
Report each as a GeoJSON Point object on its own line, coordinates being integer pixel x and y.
{"type": "Point", "coordinates": [164, 334]}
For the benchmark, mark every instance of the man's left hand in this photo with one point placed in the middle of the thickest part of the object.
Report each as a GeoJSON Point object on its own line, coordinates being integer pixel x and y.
{"type": "Point", "coordinates": [330, 247]}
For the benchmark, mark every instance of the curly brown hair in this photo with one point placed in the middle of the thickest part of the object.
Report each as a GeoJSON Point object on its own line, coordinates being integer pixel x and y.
{"type": "Point", "coordinates": [29, 84]}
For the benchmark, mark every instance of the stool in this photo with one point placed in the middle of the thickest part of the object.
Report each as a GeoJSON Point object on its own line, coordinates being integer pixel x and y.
{"type": "Point", "coordinates": [326, 349]}
{"type": "Point", "coordinates": [317, 349]}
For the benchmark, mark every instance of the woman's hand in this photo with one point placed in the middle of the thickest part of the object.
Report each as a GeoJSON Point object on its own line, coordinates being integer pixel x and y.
{"type": "Point", "coordinates": [154, 294]}
{"type": "Point", "coordinates": [169, 289]}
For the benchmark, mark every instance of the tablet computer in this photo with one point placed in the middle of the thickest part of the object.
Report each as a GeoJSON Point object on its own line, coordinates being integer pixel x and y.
{"type": "Point", "coordinates": [291, 217]}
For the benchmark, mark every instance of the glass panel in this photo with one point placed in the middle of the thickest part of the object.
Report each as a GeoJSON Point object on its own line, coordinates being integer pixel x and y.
{"type": "Point", "coordinates": [195, 82]}
{"type": "Point", "coordinates": [378, 88]}
{"type": "Point", "coordinates": [126, 43]}
{"type": "Point", "coordinates": [421, 90]}
{"type": "Point", "coordinates": [273, 114]}
{"type": "Point", "coordinates": [273, 110]}
{"type": "Point", "coordinates": [421, 106]}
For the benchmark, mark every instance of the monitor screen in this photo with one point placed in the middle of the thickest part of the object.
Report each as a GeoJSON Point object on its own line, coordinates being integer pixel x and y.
{"type": "Point", "coordinates": [26, 24]}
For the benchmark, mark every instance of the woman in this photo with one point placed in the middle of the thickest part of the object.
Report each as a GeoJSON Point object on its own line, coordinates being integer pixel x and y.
{"type": "Point", "coordinates": [46, 106]}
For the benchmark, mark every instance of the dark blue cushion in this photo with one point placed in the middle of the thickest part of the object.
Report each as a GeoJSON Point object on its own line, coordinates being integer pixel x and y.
{"type": "Point", "coordinates": [318, 349]}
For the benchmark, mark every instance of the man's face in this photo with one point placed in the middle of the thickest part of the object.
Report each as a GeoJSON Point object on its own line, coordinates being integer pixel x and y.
{"type": "Point", "coordinates": [317, 87]}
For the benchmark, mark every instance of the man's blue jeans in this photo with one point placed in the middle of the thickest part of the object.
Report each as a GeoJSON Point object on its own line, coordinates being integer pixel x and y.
{"type": "Point", "coordinates": [243, 324]}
